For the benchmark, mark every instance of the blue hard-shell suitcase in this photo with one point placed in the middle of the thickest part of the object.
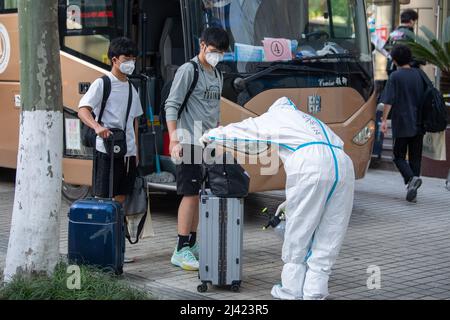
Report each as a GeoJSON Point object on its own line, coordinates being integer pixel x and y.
{"type": "Point", "coordinates": [97, 231]}
{"type": "Point", "coordinates": [97, 234]}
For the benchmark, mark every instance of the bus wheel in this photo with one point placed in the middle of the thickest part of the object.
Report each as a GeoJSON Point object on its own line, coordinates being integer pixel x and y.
{"type": "Point", "coordinates": [75, 192]}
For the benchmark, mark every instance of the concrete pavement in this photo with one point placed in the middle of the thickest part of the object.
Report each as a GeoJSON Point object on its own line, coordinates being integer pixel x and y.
{"type": "Point", "coordinates": [408, 244]}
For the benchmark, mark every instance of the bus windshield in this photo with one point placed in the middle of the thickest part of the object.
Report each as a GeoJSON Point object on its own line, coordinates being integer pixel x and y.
{"type": "Point", "coordinates": [285, 30]}
{"type": "Point", "coordinates": [88, 26]}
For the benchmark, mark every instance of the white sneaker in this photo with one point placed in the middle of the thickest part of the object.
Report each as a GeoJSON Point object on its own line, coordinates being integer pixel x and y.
{"type": "Point", "coordinates": [185, 259]}
{"type": "Point", "coordinates": [195, 250]}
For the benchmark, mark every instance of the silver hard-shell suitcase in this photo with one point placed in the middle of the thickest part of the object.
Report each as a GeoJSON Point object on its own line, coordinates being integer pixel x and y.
{"type": "Point", "coordinates": [221, 237]}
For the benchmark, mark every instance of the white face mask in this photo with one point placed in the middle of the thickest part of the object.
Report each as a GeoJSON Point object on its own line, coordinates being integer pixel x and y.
{"type": "Point", "coordinates": [213, 58]}
{"type": "Point", "coordinates": [127, 67]}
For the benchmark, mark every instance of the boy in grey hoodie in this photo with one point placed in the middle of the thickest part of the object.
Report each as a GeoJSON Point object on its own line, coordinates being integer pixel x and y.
{"type": "Point", "coordinates": [202, 113]}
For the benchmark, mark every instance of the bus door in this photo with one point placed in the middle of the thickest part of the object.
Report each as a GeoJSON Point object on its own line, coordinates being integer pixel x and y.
{"type": "Point", "coordinates": [161, 41]}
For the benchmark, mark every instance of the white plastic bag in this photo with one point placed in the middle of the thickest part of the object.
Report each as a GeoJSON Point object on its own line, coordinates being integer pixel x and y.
{"type": "Point", "coordinates": [434, 146]}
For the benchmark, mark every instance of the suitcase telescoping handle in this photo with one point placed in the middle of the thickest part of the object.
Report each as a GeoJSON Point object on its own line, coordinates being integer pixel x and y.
{"type": "Point", "coordinates": [111, 169]}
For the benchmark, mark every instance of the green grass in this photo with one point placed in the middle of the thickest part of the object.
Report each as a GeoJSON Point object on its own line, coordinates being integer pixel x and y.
{"type": "Point", "coordinates": [95, 285]}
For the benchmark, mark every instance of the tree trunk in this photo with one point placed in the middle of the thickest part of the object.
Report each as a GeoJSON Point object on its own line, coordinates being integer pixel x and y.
{"type": "Point", "coordinates": [34, 236]}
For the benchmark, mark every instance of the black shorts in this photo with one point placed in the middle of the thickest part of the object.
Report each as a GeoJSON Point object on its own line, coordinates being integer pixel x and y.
{"type": "Point", "coordinates": [124, 175]}
{"type": "Point", "coordinates": [189, 172]}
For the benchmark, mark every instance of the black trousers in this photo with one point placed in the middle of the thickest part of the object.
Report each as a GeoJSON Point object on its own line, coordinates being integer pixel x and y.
{"type": "Point", "coordinates": [124, 175]}
{"type": "Point", "coordinates": [413, 146]}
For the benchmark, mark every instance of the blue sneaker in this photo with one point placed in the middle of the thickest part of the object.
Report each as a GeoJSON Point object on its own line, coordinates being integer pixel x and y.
{"type": "Point", "coordinates": [185, 259]}
{"type": "Point", "coordinates": [195, 250]}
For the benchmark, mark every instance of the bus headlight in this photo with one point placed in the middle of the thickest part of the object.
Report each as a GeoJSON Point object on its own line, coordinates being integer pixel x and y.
{"type": "Point", "coordinates": [365, 134]}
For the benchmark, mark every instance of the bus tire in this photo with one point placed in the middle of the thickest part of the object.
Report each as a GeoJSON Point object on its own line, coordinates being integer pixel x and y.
{"type": "Point", "coordinates": [73, 192]}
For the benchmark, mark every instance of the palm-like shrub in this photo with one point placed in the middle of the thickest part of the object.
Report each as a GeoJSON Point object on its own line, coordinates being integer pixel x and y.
{"type": "Point", "coordinates": [430, 49]}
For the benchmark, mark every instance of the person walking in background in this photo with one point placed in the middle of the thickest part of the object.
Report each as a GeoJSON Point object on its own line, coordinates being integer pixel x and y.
{"type": "Point", "coordinates": [403, 95]}
{"type": "Point", "coordinates": [401, 34]}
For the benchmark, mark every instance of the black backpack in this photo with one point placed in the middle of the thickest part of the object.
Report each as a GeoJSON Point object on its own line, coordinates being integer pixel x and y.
{"type": "Point", "coordinates": [88, 135]}
{"type": "Point", "coordinates": [165, 95]}
{"type": "Point", "coordinates": [433, 111]}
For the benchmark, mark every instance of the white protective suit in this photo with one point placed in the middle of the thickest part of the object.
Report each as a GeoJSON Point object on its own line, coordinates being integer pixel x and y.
{"type": "Point", "coordinates": [319, 193]}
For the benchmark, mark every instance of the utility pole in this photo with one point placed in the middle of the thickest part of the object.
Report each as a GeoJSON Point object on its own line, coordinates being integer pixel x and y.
{"type": "Point", "coordinates": [34, 236]}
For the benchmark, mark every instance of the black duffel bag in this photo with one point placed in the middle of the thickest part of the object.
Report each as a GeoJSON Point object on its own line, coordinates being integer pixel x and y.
{"type": "Point", "coordinates": [226, 179]}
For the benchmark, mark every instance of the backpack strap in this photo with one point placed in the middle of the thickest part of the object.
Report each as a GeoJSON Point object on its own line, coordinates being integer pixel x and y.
{"type": "Point", "coordinates": [106, 93]}
{"type": "Point", "coordinates": [219, 74]}
{"type": "Point", "coordinates": [425, 78]}
{"type": "Point", "coordinates": [428, 85]}
{"type": "Point", "coordinates": [130, 102]}
{"type": "Point", "coordinates": [191, 89]}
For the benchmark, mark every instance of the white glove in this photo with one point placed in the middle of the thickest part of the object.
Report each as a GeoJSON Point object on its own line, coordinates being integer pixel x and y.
{"type": "Point", "coordinates": [204, 140]}
{"type": "Point", "coordinates": [281, 208]}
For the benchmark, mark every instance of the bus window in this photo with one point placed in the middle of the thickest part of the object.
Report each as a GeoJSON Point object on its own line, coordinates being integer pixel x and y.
{"type": "Point", "coordinates": [318, 17]}
{"type": "Point", "coordinates": [343, 20]}
{"type": "Point", "coordinates": [7, 5]}
{"type": "Point", "coordinates": [89, 28]}
{"type": "Point", "coordinates": [333, 17]}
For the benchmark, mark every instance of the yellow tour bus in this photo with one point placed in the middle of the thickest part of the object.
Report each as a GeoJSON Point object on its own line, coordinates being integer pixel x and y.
{"type": "Point", "coordinates": [327, 72]}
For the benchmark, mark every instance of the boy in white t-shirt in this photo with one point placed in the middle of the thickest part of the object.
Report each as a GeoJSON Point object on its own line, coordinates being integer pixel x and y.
{"type": "Point", "coordinates": [122, 54]}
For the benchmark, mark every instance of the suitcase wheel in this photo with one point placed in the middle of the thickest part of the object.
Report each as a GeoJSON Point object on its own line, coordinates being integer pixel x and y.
{"type": "Point", "coordinates": [202, 288]}
{"type": "Point", "coordinates": [235, 288]}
